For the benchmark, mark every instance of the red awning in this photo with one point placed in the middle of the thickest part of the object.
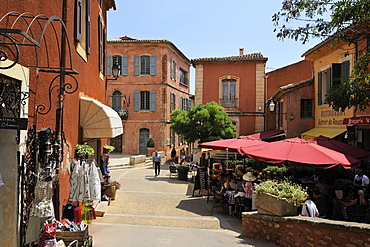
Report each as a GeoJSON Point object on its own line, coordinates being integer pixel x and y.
{"type": "Point", "coordinates": [230, 144]}
{"type": "Point", "coordinates": [263, 135]}
{"type": "Point", "coordinates": [357, 120]}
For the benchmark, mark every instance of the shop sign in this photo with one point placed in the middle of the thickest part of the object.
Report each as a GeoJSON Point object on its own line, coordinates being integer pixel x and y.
{"type": "Point", "coordinates": [13, 123]}
{"type": "Point", "coordinates": [357, 120]}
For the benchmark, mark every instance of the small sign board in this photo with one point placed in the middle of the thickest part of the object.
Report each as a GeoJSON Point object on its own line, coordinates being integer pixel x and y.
{"type": "Point", "coordinates": [13, 123]}
{"type": "Point", "coordinates": [200, 179]}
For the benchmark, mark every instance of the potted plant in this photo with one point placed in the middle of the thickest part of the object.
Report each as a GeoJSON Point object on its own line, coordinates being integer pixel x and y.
{"type": "Point", "coordinates": [150, 146]}
{"type": "Point", "coordinates": [84, 150]}
{"type": "Point", "coordinates": [182, 172]}
{"type": "Point", "coordinates": [279, 198]}
{"type": "Point", "coordinates": [108, 148]}
{"type": "Point", "coordinates": [110, 190]}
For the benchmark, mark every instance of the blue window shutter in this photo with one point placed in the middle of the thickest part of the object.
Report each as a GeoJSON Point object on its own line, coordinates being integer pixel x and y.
{"type": "Point", "coordinates": [319, 88]}
{"type": "Point", "coordinates": [124, 69]}
{"type": "Point", "coordinates": [153, 65]}
{"type": "Point", "coordinates": [136, 100]}
{"type": "Point", "coordinates": [109, 65]}
{"type": "Point", "coordinates": [136, 65]}
{"type": "Point", "coordinates": [152, 100]}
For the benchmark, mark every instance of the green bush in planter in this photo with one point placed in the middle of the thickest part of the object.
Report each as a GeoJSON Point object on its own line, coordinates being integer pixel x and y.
{"type": "Point", "coordinates": [183, 169]}
{"type": "Point", "coordinates": [292, 193]}
{"type": "Point", "coordinates": [150, 143]}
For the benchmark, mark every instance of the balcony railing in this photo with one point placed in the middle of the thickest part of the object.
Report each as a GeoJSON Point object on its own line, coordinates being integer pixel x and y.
{"type": "Point", "coordinates": [229, 103]}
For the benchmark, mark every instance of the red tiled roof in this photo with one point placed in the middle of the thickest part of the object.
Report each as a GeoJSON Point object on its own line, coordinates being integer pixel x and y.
{"type": "Point", "coordinates": [251, 56]}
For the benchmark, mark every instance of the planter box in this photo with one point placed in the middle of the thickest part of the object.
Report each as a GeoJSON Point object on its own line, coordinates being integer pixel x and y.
{"type": "Point", "coordinates": [182, 176]}
{"type": "Point", "coordinates": [272, 205]}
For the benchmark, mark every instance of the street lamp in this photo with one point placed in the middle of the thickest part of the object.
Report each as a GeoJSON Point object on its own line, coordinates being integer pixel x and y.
{"type": "Point", "coordinates": [272, 106]}
{"type": "Point", "coordinates": [115, 72]}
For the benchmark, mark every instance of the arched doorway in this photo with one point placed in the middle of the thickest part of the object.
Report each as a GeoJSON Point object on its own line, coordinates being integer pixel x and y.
{"type": "Point", "coordinates": [143, 139]}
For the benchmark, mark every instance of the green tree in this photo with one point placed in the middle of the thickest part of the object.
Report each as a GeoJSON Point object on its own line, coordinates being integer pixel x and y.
{"type": "Point", "coordinates": [344, 20]}
{"type": "Point", "coordinates": [204, 123]}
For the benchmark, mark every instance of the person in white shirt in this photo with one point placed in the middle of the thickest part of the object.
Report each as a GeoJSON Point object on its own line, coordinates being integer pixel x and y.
{"type": "Point", "coordinates": [361, 181]}
{"type": "Point", "coordinates": [157, 163]}
{"type": "Point", "coordinates": [309, 207]}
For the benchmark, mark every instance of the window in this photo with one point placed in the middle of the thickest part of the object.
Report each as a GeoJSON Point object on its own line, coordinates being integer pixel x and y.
{"type": "Point", "coordinates": [145, 65]}
{"type": "Point", "coordinates": [144, 100]}
{"type": "Point", "coordinates": [173, 70]}
{"type": "Point", "coordinates": [228, 93]}
{"type": "Point", "coordinates": [116, 101]}
{"type": "Point", "coordinates": [122, 61]}
{"type": "Point", "coordinates": [82, 23]}
{"type": "Point", "coordinates": [183, 77]}
{"type": "Point", "coordinates": [172, 101]}
{"type": "Point", "coordinates": [332, 76]}
{"type": "Point", "coordinates": [184, 104]}
{"type": "Point", "coordinates": [306, 108]}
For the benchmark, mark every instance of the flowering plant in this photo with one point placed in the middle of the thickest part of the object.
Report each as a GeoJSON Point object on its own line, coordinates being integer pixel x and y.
{"type": "Point", "coordinates": [292, 193]}
{"type": "Point", "coordinates": [115, 184]}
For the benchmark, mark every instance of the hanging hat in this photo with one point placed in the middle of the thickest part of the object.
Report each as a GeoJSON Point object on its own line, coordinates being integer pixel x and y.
{"type": "Point", "coordinates": [249, 176]}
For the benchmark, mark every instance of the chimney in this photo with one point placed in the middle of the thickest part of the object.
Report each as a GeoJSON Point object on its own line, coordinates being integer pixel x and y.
{"type": "Point", "coordinates": [241, 51]}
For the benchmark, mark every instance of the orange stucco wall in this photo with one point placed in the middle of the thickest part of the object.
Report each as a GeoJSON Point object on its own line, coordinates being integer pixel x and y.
{"type": "Point", "coordinates": [91, 82]}
{"type": "Point", "coordinates": [156, 121]}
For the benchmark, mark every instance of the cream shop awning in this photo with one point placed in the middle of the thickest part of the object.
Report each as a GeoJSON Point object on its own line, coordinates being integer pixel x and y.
{"type": "Point", "coordinates": [98, 120]}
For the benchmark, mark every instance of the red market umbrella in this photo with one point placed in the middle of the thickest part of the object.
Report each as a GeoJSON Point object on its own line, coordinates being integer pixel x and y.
{"type": "Point", "coordinates": [298, 152]}
{"type": "Point", "coordinates": [341, 147]}
{"type": "Point", "coordinates": [231, 145]}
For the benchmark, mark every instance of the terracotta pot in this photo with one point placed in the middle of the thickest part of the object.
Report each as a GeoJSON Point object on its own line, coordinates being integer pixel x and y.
{"type": "Point", "coordinates": [110, 192]}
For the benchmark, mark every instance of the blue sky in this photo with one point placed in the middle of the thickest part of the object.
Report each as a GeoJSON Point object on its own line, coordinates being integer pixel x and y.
{"type": "Point", "coordinates": [208, 28]}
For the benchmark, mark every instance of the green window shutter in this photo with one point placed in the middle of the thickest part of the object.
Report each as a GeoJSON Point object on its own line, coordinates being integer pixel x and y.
{"type": "Point", "coordinates": [124, 69]}
{"type": "Point", "coordinates": [153, 65]}
{"type": "Point", "coordinates": [319, 88]}
{"type": "Point", "coordinates": [328, 80]}
{"type": "Point", "coordinates": [181, 103]}
{"type": "Point", "coordinates": [136, 65]}
{"type": "Point", "coordinates": [152, 100]}
{"type": "Point", "coordinates": [136, 100]}
{"type": "Point", "coordinates": [345, 71]}
{"type": "Point", "coordinates": [109, 65]}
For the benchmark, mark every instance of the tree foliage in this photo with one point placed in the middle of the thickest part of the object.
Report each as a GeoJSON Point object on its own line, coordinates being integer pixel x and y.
{"type": "Point", "coordinates": [344, 20]}
{"type": "Point", "coordinates": [204, 123]}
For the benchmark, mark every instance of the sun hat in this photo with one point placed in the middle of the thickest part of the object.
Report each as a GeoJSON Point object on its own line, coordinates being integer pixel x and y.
{"type": "Point", "coordinates": [249, 176]}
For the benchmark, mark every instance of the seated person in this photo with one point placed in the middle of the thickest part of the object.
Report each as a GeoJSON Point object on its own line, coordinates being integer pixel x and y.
{"type": "Point", "coordinates": [320, 203]}
{"type": "Point", "coordinates": [309, 207]}
{"type": "Point", "coordinates": [357, 208]}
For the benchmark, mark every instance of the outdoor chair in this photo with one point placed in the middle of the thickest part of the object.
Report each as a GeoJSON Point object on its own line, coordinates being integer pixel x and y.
{"type": "Point", "coordinates": [173, 171]}
{"type": "Point", "coordinates": [357, 213]}
{"type": "Point", "coordinates": [219, 201]}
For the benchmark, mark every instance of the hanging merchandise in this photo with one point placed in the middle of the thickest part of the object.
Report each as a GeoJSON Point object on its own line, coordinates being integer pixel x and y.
{"type": "Point", "coordinates": [68, 211]}
{"type": "Point", "coordinates": [94, 183]}
{"type": "Point", "coordinates": [77, 215]}
{"type": "Point", "coordinates": [48, 236]}
{"type": "Point", "coordinates": [77, 182]}
{"type": "Point", "coordinates": [42, 205]}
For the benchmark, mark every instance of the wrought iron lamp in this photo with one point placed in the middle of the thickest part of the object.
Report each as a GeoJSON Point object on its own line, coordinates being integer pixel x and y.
{"type": "Point", "coordinates": [115, 72]}
{"type": "Point", "coordinates": [272, 106]}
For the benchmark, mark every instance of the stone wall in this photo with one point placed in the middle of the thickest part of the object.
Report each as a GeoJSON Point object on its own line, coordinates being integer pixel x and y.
{"type": "Point", "coordinates": [304, 231]}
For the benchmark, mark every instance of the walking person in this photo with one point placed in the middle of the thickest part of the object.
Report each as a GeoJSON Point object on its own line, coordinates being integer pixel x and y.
{"type": "Point", "coordinates": [157, 163]}
{"type": "Point", "coordinates": [173, 155]}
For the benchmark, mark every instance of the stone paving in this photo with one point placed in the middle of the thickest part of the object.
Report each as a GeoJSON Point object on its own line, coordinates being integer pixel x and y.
{"type": "Point", "coordinates": [146, 200]}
